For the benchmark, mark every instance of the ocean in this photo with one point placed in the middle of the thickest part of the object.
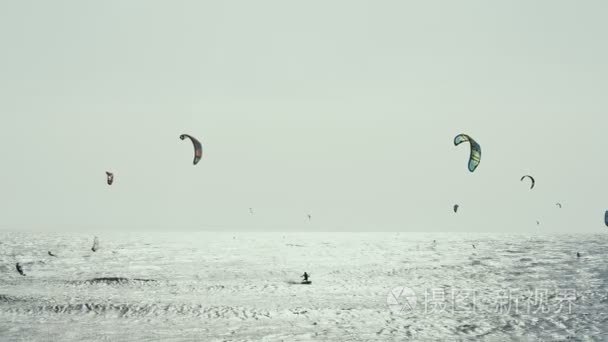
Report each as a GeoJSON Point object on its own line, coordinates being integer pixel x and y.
{"type": "Point", "coordinates": [220, 286]}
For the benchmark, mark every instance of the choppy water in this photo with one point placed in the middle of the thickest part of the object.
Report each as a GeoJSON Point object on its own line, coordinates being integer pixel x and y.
{"type": "Point", "coordinates": [223, 286]}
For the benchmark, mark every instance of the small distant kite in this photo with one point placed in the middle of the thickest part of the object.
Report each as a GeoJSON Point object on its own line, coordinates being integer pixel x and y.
{"type": "Point", "coordinates": [198, 148]}
{"type": "Point", "coordinates": [95, 244]}
{"type": "Point", "coordinates": [533, 182]}
{"type": "Point", "coordinates": [475, 154]}
{"type": "Point", "coordinates": [109, 177]}
{"type": "Point", "coordinates": [309, 217]}
{"type": "Point", "coordinates": [537, 222]}
{"type": "Point", "coordinates": [559, 205]}
{"type": "Point", "coordinates": [51, 254]}
{"type": "Point", "coordinates": [19, 269]}
{"type": "Point", "coordinates": [456, 206]}
{"type": "Point", "coordinates": [251, 211]}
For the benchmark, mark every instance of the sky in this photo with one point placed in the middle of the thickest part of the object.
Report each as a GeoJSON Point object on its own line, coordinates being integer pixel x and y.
{"type": "Point", "coordinates": [346, 110]}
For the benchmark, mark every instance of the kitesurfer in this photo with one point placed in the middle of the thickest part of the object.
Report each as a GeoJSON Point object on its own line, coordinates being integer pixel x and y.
{"type": "Point", "coordinates": [578, 255]}
{"type": "Point", "coordinates": [305, 276]}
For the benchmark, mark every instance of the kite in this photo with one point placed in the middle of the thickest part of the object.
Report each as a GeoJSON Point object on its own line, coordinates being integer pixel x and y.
{"type": "Point", "coordinates": [109, 177]}
{"type": "Point", "coordinates": [95, 244]}
{"type": "Point", "coordinates": [198, 148]}
{"type": "Point", "coordinates": [475, 155]}
{"type": "Point", "coordinates": [531, 179]}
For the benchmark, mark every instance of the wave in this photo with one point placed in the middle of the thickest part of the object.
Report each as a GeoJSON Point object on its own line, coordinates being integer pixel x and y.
{"type": "Point", "coordinates": [127, 310]}
{"type": "Point", "coordinates": [10, 299]}
{"type": "Point", "coordinates": [116, 280]}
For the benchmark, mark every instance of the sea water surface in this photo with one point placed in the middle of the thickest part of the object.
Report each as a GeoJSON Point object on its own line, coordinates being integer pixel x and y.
{"type": "Point", "coordinates": [245, 286]}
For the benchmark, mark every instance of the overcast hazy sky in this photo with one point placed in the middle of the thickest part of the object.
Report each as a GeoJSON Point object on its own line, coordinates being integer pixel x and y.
{"type": "Point", "coordinates": [344, 109]}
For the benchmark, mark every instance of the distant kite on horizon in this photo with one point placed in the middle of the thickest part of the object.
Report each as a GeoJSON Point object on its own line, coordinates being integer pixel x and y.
{"type": "Point", "coordinates": [19, 269]}
{"type": "Point", "coordinates": [456, 206]}
{"type": "Point", "coordinates": [559, 205]}
{"type": "Point", "coordinates": [475, 153]}
{"type": "Point", "coordinates": [95, 244]}
{"type": "Point", "coordinates": [198, 148]}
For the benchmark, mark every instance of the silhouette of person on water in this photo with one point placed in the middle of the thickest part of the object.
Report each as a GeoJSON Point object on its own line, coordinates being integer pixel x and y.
{"type": "Point", "coordinates": [19, 269]}
{"type": "Point", "coordinates": [305, 276]}
{"type": "Point", "coordinates": [578, 255]}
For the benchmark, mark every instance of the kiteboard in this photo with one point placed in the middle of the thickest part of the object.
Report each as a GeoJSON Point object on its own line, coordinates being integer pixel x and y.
{"type": "Point", "coordinates": [306, 282]}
